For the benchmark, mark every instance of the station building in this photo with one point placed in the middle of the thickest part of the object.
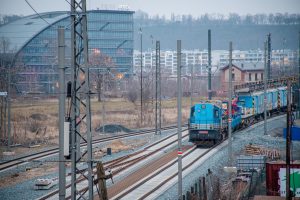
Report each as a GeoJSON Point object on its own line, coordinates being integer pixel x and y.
{"type": "Point", "coordinates": [33, 42]}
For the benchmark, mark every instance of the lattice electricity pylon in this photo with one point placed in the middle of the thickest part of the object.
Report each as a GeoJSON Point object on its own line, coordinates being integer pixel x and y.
{"type": "Point", "coordinates": [80, 129]}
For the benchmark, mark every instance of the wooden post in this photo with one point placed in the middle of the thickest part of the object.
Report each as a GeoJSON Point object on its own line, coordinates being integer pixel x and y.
{"type": "Point", "coordinates": [204, 188]}
{"type": "Point", "coordinates": [188, 195]}
{"type": "Point", "coordinates": [209, 185]}
{"type": "Point", "coordinates": [101, 178]}
{"type": "Point", "coordinates": [200, 189]}
{"type": "Point", "coordinates": [218, 190]}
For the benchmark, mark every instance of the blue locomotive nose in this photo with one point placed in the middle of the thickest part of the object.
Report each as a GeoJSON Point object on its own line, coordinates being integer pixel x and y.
{"type": "Point", "coordinates": [205, 122]}
{"type": "Point", "coordinates": [208, 121]}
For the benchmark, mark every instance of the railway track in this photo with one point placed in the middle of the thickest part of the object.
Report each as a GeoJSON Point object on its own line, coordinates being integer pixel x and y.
{"type": "Point", "coordinates": [120, 165]}
{"type": "Point", "coordinates": [128, 188]}
{"type": "Point", "coordinates": [13, 163]}
{"type": "Point", "coordinates": [145, 184]}
{"type": "Point", "coordinates": [149, 181]}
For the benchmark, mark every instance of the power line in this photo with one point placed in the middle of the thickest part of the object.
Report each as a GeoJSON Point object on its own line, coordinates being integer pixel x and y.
{"type": "Point", "coordinates": [67, 27]}
{"type": "Point", "coordinates": [37, 13]}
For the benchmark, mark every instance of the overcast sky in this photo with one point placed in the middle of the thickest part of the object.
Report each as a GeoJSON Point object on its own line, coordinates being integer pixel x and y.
{"type": "Point", "coordinates": [161, 7]}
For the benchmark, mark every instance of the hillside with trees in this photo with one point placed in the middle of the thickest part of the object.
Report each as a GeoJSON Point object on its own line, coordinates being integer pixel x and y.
{"type": "Point", "coordinates": [246, 32]}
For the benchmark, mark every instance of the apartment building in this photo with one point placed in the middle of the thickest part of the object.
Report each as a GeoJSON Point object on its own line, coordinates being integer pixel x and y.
{"type": "Point", "coordinates": [199, 60]}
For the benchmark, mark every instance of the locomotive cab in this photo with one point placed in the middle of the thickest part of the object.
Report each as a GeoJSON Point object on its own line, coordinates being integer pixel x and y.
{"type": "Point", "coordinates": [205, 123]}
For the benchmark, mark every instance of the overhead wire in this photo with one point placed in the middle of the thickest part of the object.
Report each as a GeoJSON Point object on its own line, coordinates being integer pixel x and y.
{"type": "Point", "coordinates": [37, 12]}
{"type": "Point", "coordinates": [51, 25]}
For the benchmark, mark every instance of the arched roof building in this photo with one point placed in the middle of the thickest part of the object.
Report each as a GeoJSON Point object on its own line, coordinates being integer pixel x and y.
{"type": "Point", "coordinates": [33, 40]}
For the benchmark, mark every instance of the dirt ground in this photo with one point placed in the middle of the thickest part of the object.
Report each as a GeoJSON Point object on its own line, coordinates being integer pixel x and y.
{"type": "Point", "coordinates": [46, 168]}
{"type": "Point", "coordinates": [35, 127]}
{"type": "Point", "coordinates": [35, 121]}
{"type": "Point", "coordinates": [16, 178]}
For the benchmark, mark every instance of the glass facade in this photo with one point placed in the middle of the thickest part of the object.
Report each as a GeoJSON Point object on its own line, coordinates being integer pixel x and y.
{"type": "Point", "coordinates": [110, 36]}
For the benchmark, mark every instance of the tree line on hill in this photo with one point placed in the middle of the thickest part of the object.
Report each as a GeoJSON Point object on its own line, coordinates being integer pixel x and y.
{"type": "Point", "coordinates": [246, 32]}
{"type": "Point", "coordinates": [143, 18]}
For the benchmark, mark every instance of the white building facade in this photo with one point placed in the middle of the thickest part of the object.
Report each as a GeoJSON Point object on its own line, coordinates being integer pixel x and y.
{"type": "Point", "coordinates": [199, 60]}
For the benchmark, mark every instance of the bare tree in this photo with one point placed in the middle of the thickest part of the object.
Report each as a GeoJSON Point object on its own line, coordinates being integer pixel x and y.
{"type": "Point", "coordinates": [9, 66]}
{"type": "Point", "coordinates": [132, 93]}
{"type": "Point", "coordinates": [104, 63]}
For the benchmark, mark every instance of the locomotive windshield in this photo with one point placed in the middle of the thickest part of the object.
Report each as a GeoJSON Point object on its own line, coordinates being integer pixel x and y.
{"type": "Point", "coordinates": [216, 112]}
{"type": "Point", "coordinates": [193, 111]}
{"type": "Point", "coordinates": [241, 102]}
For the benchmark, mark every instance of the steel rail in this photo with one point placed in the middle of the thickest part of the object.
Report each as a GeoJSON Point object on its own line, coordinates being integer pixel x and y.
{"type": "Point", "coordinates": [5, 165]}
{"type": "Point", "coordinates": [118, 162]}
{"type": "Point", "coordinates": [134, 162]}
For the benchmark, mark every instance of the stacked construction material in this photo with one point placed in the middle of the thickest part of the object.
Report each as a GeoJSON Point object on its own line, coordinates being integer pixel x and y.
{"type": "Point", "coordinates": [273, 154]}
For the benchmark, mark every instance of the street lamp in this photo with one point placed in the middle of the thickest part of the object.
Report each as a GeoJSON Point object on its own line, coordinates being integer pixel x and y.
{"type": "Point", "coordinates": [141, 37]}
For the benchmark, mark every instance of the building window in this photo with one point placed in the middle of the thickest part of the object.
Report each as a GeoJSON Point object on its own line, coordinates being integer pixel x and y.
{"type": "Point", "coordinates": [249, 76]}
{"type": "Point", "coordinates": [261, 76]}
{"type": "Point", "coordinates": [255, 76]}
{"type": "Point", "coordinates": [233, 77]}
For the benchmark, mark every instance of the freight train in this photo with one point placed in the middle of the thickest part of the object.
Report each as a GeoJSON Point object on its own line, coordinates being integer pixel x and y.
{"type": "Point", "coordinates": [208, 122]}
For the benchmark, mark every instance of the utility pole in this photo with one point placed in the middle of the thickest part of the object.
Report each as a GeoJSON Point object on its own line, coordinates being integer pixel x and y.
{"type": "Point", "coordinates": [103, 112]}
{"type": "Point", "coordinates": [229, 106]}
{"type": "Point", "coordinates": [152, 73]}
{"type": "Point", "coordinates": [284, 70]}
{"type": "Point", "coordinates": [265, 88]}
{"type": "Point", "coordinates": [9, 107]}
{"type": "Point", "coordinates": [288, 140]}
{"type": "Point", "coordinates": [159, 95]}
{"type": "Point", "coordinates": [269, 56]}
{"type": "Point", "coordinates": [298, 75]}
{"type": "Point", "coordinates": [179, 90]}
{"type": "Point", "coordinates": [192, 84]}
{"type": "Point", "coordinates": [61, 67]}
{"type": "Point", "coordinates": [209, 64]}
{"type": "Point", "coordinates": [80, 97]}
{"type": "Point", "coordinates": [141, 38]}
{"type": "Point", "coordinates": [157, 90]}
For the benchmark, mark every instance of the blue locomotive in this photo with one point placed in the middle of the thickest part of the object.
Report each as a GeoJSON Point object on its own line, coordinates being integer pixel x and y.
{"type": "Point", "coordinates": [208, 120]}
